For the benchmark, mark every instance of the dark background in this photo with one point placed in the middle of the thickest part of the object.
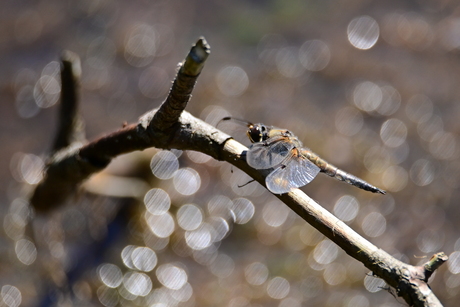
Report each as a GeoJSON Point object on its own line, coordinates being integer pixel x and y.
{"type": "Point", "coordinates": [388, 113]}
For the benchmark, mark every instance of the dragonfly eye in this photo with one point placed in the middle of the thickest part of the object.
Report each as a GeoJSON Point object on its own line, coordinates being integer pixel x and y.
{"type": "Point", "coordinates": [254, 134]}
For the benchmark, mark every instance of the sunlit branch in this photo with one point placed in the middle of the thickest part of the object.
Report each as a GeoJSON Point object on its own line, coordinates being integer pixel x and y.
{"type": "Point", "coordinates": [181, 90]}
{"type": "Point", "coordinates": [179, 129]}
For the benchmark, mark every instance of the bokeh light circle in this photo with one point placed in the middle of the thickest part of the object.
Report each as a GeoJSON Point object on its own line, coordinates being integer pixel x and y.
{"type": "Point", "coordinates": [110, 275]}
{"type": "Point", "coordinates": [314, 55]}
{"type": "Point", "coordinates": [367, 96]}
{"type": "Point", "coordinates": [256, 273]}
{"type": "Point", "coordinates": [243, 210]}
{"type": "Point", "coordinates": [187, 181]}
{"type": "Point", "coordinates": [325, 252]}
{"type": "Point", "coordinates": [157, 201]}
{"type": "Point", "coordinates": [164, 164]}
{"type": "Point", "coordinates": [374, 224]}
{"type": "Point", "coordinates": [422, 172]}
{"type": "Point", "coordinates": [138, 284]}
{"type": "Point", "coordinates": [346, 208]}
{"type": "Point", "coordinates": [232, 81]}
{"type": "Point", "coordinates": [363, 32]}
{"type": "Point", "coordinates": [374, 284]}
{"type": "Point", "coordinates": [161, 225]}
{"type": "Point", "coordinates": [11, 296]}
{"type": "Point", "coordinates": [144, 259]}
{"type": "Point", "coordinates": [393, 132]}
{"type": "Point", "coordinates": [278, 287]}
{"type": "Point", "coordinates": [171, 276]}
{"type": "Point", "coordinates": [189, 217]}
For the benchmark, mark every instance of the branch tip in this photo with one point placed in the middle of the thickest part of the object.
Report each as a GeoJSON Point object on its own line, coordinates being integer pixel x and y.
{"type": "Point", "coordinates": [169, 112]}
{"type": "Point", "coordinates": [71, 126]}
{"type": "Point", "coordinates": [201, 49]}
{"type": "Point", "coordinates": [70, 60]}
{"type": "Point", "coordinates": [434, 263]}
{"type": "Point", "coordinates": [197, 56]}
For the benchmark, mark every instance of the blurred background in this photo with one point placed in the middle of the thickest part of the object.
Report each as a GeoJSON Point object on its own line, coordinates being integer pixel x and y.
{"type": "Point", "coordinates": [370, 86]}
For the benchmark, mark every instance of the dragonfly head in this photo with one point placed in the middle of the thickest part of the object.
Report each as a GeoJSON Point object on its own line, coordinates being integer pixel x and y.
{"type": "Point", "coordinates": [257, 132]}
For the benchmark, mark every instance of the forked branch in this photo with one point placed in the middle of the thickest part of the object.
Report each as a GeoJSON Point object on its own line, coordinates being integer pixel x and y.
{"type": "Point", "coordinates": [172, 127]}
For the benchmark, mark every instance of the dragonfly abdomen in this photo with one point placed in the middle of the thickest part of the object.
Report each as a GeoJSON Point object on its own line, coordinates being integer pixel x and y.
{"type": "Point", "coordinates": [339, 174]}
{"type": "Point", "coordinates": [357, 182]}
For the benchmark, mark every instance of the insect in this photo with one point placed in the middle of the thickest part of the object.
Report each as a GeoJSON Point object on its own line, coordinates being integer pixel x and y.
{"type": "Point", "coordinates": [292, 164]}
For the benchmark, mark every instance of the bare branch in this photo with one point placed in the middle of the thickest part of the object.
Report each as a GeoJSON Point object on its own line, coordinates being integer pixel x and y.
{"type": "Point", "coordinates": [70, 166]}
{"type": "Point", "coordinates": [433, 264]}
{"type": "Point", "coordinates": [409, 281]}
{"type": "Point", "coordinates": [182, 88]}
{"type": "Point", "coordinates": [67, 168]}
{"type": "Point", "coordinates": [71, 127]}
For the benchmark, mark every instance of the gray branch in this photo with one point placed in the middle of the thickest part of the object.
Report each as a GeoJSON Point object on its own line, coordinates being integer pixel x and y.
{"type": "Point", "coordinates": [71, 127]}
{"type": "Point", "coordinates": [172, 127]}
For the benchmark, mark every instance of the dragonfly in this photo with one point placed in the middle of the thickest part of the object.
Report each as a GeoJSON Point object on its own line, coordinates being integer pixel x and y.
{"type": "Point", "coordinates": [292, 165]}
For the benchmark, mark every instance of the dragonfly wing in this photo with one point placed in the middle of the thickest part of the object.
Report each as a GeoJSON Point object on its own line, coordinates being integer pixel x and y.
{"type": "Point", "coordinates": [298, 172]}
{"type": "Point", "coordinates": [268, 154]}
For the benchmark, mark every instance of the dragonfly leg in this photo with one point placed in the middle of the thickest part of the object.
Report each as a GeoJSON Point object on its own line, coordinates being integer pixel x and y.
{"type": "Point", "coordinates": [243, 185]}
{"type": "Point", "coordinates": [242, 156]}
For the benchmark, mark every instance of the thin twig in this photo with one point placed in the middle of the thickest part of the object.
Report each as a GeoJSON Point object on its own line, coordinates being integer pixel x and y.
{"type": "Point", "coordinates": [71, 127]}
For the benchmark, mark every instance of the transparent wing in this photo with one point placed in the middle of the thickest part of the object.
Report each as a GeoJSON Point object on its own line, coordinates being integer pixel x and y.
{"type": "Point", "coordinates": [268, 154]}
{"type": "Point", "coordinates": [298, 172]}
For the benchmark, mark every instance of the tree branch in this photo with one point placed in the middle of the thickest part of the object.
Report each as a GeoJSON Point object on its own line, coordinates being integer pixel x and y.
{"type": "Point", "coordinates": [182, 88]}
{"type": "Point", "coordinates": [69, 166]}
{"type": "Point", "coordinates": [409, 281]}
{"type": "Point", "coordinates": [71, 127]}
{"type": "Point", "coordinates": [171, 127]}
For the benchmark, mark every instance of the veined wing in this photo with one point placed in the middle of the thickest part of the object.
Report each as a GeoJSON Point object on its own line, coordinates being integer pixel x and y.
{"type": "Point", "coordinates": [296, 173]}
{"type": "Point", "coordinates": [269, 153]}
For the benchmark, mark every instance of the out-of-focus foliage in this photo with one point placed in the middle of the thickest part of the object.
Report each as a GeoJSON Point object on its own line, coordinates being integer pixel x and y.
{"type": "Point", "coordinates": [370, 86]}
